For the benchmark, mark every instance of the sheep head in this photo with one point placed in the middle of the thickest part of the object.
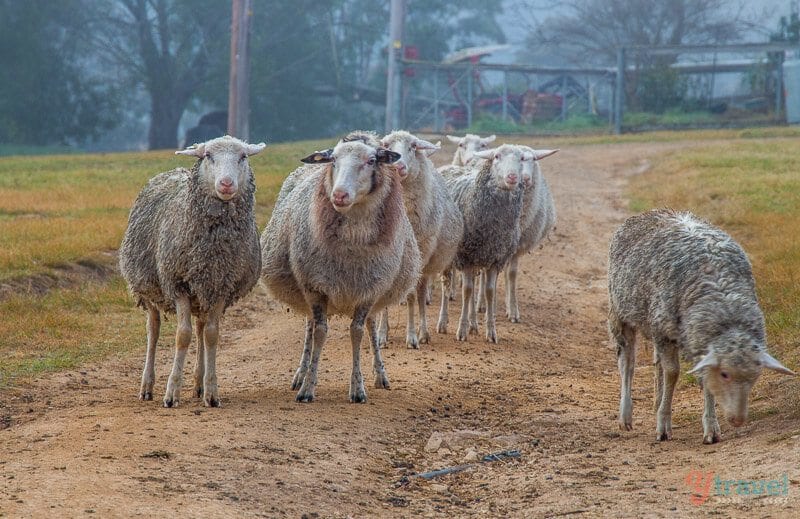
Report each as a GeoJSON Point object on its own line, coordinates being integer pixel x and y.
{"type": "Point", "coordinates": [224, 166]}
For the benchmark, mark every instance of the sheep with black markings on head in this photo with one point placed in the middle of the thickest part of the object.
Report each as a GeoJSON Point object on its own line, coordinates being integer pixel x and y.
{"type": "Point", "coordinates": [192, 248]}
{"type": "Point", "coordinates": [339, 242]}
{"type": "Point", "coordinates": [435, 219]}
{"type": "Point", "coordinates": [689, 287]}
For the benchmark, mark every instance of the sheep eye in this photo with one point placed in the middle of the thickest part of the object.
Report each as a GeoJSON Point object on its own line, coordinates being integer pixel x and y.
{"type": "Point", "coordinates": [414, 146]}
{"type": "Point", "coordinates": [242, 158]}
{"type": "Point", "coordinates": [483, 145]}
{"type": "Point", "coordinates": [371, 161]}
{"type": "Point", "coordinates": [461, 145]}
{"type": "Point", "coordinates": [207, 155]}
{"type": "Point", "coordinates": [724, 375]}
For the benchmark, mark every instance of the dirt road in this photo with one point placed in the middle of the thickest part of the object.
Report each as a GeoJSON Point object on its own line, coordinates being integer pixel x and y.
{"type": "Point", "coordinates": [80, 443]}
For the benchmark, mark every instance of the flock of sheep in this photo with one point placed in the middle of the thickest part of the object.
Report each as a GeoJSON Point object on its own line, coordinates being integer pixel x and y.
{"type": "Point", "coordinates": [371, 222]}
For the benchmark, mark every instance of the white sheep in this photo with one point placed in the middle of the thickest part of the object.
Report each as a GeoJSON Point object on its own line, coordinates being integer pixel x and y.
{"type": "Point", "coordinates": [436, 220]}
{"type": "Point", "coordinates": [339, 242]}
{"type": "Point", "coordinates": [191, 248]}
{"type": "Point", "coordinates": [467, 146]}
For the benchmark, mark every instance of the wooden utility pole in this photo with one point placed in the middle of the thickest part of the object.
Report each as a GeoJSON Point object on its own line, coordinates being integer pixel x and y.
{"type": "Point", "coordinates": [396, 21]}
{"type": "Point", "coordinates": [238, 92]}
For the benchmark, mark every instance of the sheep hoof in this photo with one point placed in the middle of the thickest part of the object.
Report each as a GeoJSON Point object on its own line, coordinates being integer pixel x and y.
{"type": "Point", "coordinates": [712, 438]}
{"type": "Point", "coordinates": [412, 342]}
{"type": "Point", "coordinates": [424, 337]}
{"type": "Point", "coordinates": [664, 436]}
{"type": "Point", "coordinates": [212, 402]}
{"type": "Point", "coordinates": [359, 397]}
{"type": "Point", "coordinates": [473, 329]}
{"type": "Point", "coordinates": [461, 334]}
{"type": "Point", "coordinates": [147, 395]}
{"type": "Point", "coordinates": [491, 336]}
{"type": "Point", "coordinates": [304, 397]}
{"type": "Point", "coordinates": [625, 426]}
{"type": "Point", "coordinates": [441, 328]}
{"type": "Point", "coordinates": [168, 402]}
{"type": "Point", "coordinates": [381, 381]}
{"type": "Point", "coordinates": [198, 391]}
{"type": "Point", "coordinates": [297, 381]}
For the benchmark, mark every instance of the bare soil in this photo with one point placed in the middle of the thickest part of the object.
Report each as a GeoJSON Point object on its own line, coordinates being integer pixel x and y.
{"type": "Point", "coordinates": [80, 443]}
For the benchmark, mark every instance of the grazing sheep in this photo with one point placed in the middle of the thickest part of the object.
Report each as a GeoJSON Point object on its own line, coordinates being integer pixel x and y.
{"type": "Point", "coordinates": [435, 219]}
{"type": "Point", "coordinates": [468, 145]}
{"type": "Point", "coordinates": [491, 202]}
{"type": "Point", "coordinates": [191, 248]}
{"type": "Point", "coordinates": [536, 221]}
{"type": "Point", "coordinates": [689, 287]}
{"type": "Point", "coordinates": [340, 242]}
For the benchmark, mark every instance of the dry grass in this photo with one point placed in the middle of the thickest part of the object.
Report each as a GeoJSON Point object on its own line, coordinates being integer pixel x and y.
{"type": "Point", "coordinates": [751, 188]}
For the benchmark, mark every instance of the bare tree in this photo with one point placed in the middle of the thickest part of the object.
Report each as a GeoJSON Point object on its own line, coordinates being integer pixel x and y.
{"type": "Point", "coordinates": [582, 31]}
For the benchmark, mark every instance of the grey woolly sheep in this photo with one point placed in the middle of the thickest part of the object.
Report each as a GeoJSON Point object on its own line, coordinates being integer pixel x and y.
{"type": "Point", "coordinates": [536, 221]}
{"type": "Point", "coordinates": [491, 202]}
{"type": "Point", "coordinates": [435, 219]}
{"type": "Point", "coordinates": [340, 242]}
{"type": "Point", "coordinates": [191, 248]}
{"type": "Point", "coordinates": [467, 146]}
{"type": "Point", "coordinates": [689, 287]}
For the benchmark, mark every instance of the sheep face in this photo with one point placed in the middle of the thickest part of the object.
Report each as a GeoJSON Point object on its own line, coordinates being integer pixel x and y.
{"type": "Point", "coordinates": [224, 167]}
{"type": "Point", "coordinates": [730, 370]}
{"type": "Point", "coordinates": [530, 165]}
{"type": "Point", "coordinates": [506, 165]}
{"type": "Point", "coordinates": [413, 152]}
{"type": "Point", "coordinates": [468, 145]}
{"type": "Point", "coordinates": [350, 175]}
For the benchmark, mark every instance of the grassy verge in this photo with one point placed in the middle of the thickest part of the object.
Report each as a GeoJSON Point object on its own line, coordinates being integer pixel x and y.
{"type": "Point", "coordinates": [60, 210]}
{"type": "Point", "coordinates": [749, 186]}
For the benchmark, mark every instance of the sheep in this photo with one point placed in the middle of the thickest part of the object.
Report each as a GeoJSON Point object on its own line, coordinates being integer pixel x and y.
{"type": "Point", "coordinates": [340, 242]}
{"type": "Point", "coordinates": [490, 202]}
{"type": "Point", "coordinates": [689, 287]}
{"type": "Point", "coordinates": [537, 220]}
{"type": "Point", "coordinates": [467, 146]}
{"type": "Point", "coordinates": [191, 248]}
{"type": "Point", "coordinates": [436, 221]}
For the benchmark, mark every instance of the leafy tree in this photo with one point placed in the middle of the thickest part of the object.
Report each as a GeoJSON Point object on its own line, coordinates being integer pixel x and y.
{"type": "Point", "coordinates": [170, 47]}
{"type": "Point", "coordinates": [48, 94]}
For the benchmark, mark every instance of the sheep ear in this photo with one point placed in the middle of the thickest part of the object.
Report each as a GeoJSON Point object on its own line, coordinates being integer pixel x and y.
{"type": "Point", "coordinates": [453, 139]}
{"type": "Point", "coordinates": [195, 150]}
{"type": "Point", "coordinates": [422, 144]}
{"type": "Point", "coordinates": [485, 154]}
{"type": "Point", "coordinates": [487, 140]}
{"type": "Point", "coordinates": [386, 156]}
{"type": "Point", "coordinates": [541, 154]}
{"type": "Point", "coordinates": [710, 360]}
{"type": "Point", "coordinates": [431, 151]}
{"type": "Point", "coordinates": [319, 157]}
{"type": "Point", "coordinates": [252, 149]}
{"type": "Point", "coordinates": [770, 362]}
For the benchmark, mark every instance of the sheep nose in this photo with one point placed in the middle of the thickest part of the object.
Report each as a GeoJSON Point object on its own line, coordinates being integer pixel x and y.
{"type": "Point", "coordinates": [226, 182]}
{"type": "Point", "coordinates": [341, 198]}
{"type": "Point", "coordinates": [401, 169]}
{"type": "Point", "coordinates": [226, 186]}
{"type": "Point", "coordinates": [511, 179]}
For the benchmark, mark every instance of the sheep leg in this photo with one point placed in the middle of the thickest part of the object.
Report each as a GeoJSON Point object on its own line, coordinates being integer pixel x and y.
{"type": "Point", "coordinates": [658, 379]}
{"type": "Point", "coordinates": [490, 280]}
{"type": "Point", "coordinates": [383, 328]}
{"type": "Point", "coordinates": [305, 358]}
{"type": "Point", "coordinates": [481, 299]}
{"type": "Point", "coordinates": [711, 430]}
{"type": "Point", "coordinates": [451, 275]}
{"type": "Point", "coordinates": [446, 279]}
{"type": "Point", "coordinates": [358, 395]}
{"type": "Point", "coordinates": [424, 335]}
{"type": "Point", "coordinates": [428, 292]}
{"type": "Point", "coordinates": [381, 380]}
{"type": "Point", "coordinates": [670, 366]}
{"type": "Point", "coordinates": [149, 371]}
{"type": "Point", "coordinates": [467, 280]}
{"type": "Point", "coordinates": [319, 312]}
{"type": "Point", "coordinates": [473, 303]}
{"type": "Point", "coordinates": [183, 337]}
{"type": "Point", "coordinates": [625, 338]}
{"type": "Point", "coordinates": [211, 340]}
{"type": "Point", "coordinates": [200, 359]}
{"type": "Point", "coordinates": [512, 308]}
{"type": "Point", "coordinates": [411, 333]}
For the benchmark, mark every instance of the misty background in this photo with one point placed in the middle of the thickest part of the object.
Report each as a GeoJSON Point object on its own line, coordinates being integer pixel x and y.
{"type": "Point", "coordinates": [101, 75]}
